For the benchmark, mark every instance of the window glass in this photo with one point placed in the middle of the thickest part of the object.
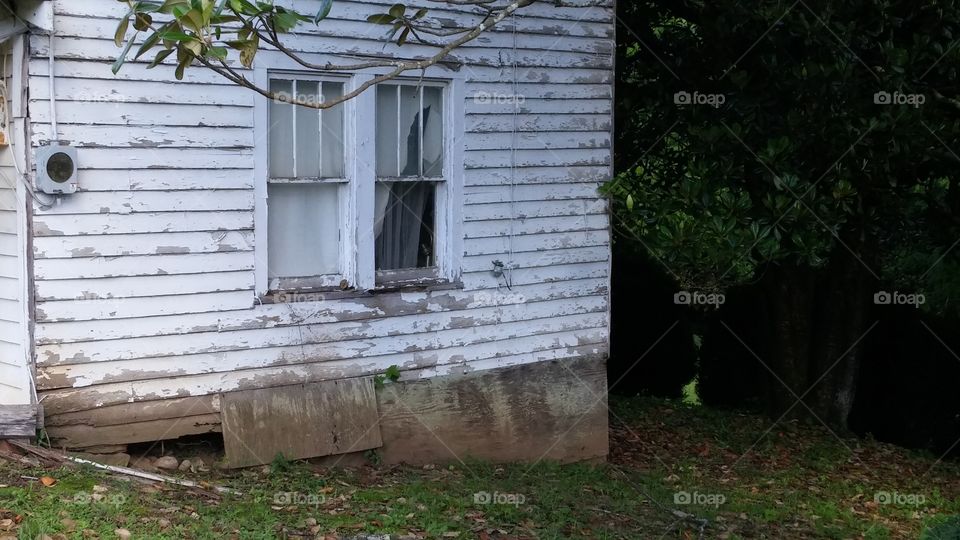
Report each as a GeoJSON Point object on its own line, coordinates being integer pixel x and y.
{"type": "Point", "coordinates": [307, 146]}
{"type": "Point", "coordinates": [433, 132]}
{"type": "Point", "coordinates": [281, 132]}
{"type": "Point", "coordinates": [404, 225]}
{"type": "Point", "coordinates": [409, 131]}
{"type": "Point", "coordinates": [333, 133]}
{"type": "Point", "coordinates": [306, 142]}
{"type": "Point", "coordinates": [387, 131]}
{"type": "Point", "coordinates": [303, 230]}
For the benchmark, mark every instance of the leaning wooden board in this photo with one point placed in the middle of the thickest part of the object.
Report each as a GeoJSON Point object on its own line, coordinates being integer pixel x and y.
{"type": "Point", "coordinates": [300, 421]}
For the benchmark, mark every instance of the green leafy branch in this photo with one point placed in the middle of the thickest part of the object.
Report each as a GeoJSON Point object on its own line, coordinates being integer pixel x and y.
{"type": "Point", "coordinates": [216, 34]}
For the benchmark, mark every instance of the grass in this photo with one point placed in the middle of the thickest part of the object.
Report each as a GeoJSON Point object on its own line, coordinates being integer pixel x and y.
{"type": "Point", "coordinates": [792, 481]}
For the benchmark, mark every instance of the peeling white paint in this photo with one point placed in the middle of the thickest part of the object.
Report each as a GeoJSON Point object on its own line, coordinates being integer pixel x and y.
{"type": "Point", "coordinates": [145, 279]}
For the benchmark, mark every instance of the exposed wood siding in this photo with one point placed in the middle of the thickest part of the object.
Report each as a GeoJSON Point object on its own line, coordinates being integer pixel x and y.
{"type": "Point", "coordinates": [145, 279]}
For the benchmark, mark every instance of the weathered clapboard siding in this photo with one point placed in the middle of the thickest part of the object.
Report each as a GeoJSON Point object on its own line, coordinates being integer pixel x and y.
{"type": "Point", "coordinates": [145, 279]}
{"type": "Point", "coordinates": [14, 377]}
{"type": "Point", "coordinates": [17, 407]}
{"type": "Point", "coordinates": [234, 330]}
{"type": "Point", "coordinates": [565, 345]}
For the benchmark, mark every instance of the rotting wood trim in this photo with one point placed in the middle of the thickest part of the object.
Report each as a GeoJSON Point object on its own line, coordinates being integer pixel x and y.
{"type": "Point", "coordinates": [321, 294]}
{"type": "Point", "coordinates": [18, 421]}
{"type": "Point", "coordinates": [89, 399]}
{"type": "Point", "coordinates": [81, 436]}
{"type": "Point", "coordinates": [579, 382]}
{"type": "Point", "coordinates": [145, 411]}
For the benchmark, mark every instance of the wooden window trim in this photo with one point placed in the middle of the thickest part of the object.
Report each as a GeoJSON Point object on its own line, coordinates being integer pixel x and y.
{"type": "Point", "coordinates": [263, 282]}
{"type": "Point", "coordinates": [358, 276]}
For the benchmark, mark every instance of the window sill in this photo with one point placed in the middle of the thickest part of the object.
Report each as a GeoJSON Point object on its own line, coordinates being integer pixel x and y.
{"type": "Point", "coordinates": [417, 284]}
{"type": "Point", "coordinates": [324, 294]}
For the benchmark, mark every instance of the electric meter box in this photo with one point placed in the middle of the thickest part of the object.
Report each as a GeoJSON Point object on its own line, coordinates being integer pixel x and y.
{"type": "Point", "coordinates": [57, 169]}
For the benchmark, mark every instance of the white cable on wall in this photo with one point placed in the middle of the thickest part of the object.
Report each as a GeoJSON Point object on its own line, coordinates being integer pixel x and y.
{"type": "Point", "coordinates": [51, 58]}
{"type": "Point", "coordinates": [7, 127]}
{"type": "Point", "coordinates": [513, 139]}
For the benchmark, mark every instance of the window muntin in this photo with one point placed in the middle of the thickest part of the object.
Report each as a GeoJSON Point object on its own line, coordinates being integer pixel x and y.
{"type": "Point", "coordinates": [410, 144]}
{"type": "Point", "coordinates": [410, 173]}
{"type": "Point", "coordinates": [306, 143]}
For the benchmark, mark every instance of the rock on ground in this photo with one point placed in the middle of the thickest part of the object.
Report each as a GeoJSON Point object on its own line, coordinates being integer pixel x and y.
{"type": "Point", "coordinates": [167, 463]}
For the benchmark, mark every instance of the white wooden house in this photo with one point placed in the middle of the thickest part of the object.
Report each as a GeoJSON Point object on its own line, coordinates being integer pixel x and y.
{"type": "Point", "coordinates": [239, 266]}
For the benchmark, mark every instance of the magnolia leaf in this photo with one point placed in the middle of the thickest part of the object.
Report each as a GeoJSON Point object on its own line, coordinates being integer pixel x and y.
{"type": "Point", "coordinates": [148, 7]}
{"type": "Point", "coordinates": [194, 47]}
{"type": "Point", "coordinates": [185, 60]}
{"type": "Point", "coordinates": [169, 5]}
{"type": "Point", "coordinates": [161, 56]}
{"type": "Point", "coordinates": [325, 6]}
{"type": "Point", "coordinates": [121, 30]}
{"type": "Point", "coordinates": [397, 10]}
{"type": "Point", "coordinates": [218, 52]}
{"type": "Point", "coordinates": [123, 56]}
{"type": "Point", "coordinates": [403, 36]}
{"type": "Point", "coordinates": [381, 19]}
{"type": "Point", "coordinates": [175, 35]}
{"type": "Point", "coordinates": [142, 21]}
{"type": "Point", "coordinates": [249, 51]}
{"type": "Point", "coordinates": [284, 22]}
{"type": "Point", "coordinates": [150, 42]}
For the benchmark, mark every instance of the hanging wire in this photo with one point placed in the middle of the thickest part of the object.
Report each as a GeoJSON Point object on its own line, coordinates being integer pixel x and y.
{"type": "Point", "coordinates": [514, 88]}
{"type": "Point", "coordinates": [7, 121]}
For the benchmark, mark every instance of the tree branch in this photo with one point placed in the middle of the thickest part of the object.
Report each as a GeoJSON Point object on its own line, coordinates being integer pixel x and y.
{"type": "Point", "coordinates": [399, 66]}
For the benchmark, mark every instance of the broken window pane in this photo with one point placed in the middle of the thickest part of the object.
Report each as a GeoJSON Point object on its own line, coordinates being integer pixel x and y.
{"type": "Point", "coordinates": [404, 225]}
{"type": "Point", "coordinates": [409, 131]}
{"type": "Point", "coordinates": [409, 117]}
{"type": "Point", "coordinates": [303, 230]}
{"type": "Point", "coordinates": [432, 132]}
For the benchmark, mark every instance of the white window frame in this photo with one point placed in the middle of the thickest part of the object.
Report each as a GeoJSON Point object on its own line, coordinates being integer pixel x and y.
{"type": "Point", "coordinates": [262, 157]}
{"type": "Point", "coordinates": [387, 278]}
{"type": "Point", "coordinates": [357, 208]}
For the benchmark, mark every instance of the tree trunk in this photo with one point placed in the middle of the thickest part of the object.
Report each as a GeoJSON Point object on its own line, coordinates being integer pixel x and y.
{"type": "Point", "coordinates": [791, 313]}
{"type": "Point", "coordinates": [818, 319]}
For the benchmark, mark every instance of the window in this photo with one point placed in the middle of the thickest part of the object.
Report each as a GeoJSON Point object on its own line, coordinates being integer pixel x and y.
{"type": "Point", "coordinates": [359, 195]}
{"type": "Point", "coordinates": [410, 165]}
{"type": "Point", "coordinates": [305, 186]}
